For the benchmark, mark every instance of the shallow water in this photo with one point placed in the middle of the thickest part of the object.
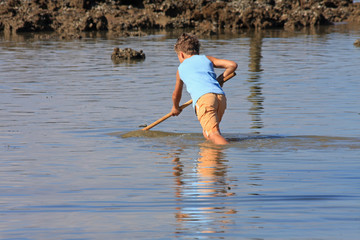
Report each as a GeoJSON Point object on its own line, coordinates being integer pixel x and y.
{"type": "Point", "coordinates": [75, 164]}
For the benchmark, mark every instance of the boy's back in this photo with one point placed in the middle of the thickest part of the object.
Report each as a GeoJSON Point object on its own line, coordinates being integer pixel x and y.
{"type": "Point", "coordinates": [197, 72]}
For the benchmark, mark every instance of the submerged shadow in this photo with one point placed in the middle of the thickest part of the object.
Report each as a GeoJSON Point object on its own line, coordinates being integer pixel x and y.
{"type": "Point", "coordinates": [251, 140]}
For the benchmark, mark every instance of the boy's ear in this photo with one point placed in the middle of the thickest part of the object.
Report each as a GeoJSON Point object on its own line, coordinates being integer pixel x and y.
{"type": "Point", "coordinates": [181, 56]}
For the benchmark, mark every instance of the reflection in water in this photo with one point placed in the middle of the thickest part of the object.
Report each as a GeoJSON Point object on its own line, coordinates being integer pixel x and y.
{"type": "Point", "coordinates": [202, 195]}
{"type": "Point", "coordinates": [255, 70]}
{"type": "Point", "coordinates": [255, 177]}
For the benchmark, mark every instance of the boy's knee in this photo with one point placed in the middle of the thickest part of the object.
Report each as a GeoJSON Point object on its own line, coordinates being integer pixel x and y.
{"type": "Point", "coordinates": [212, 131]}
{"type": "Point", "coordinates": [205, 135]}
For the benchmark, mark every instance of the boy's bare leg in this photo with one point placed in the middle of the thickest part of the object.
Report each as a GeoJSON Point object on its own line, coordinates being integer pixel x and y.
{"type": "Point", "coordinates": [216, 138]}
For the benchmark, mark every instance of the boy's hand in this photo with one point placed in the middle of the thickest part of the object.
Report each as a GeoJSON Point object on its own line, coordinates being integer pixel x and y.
{"type": "Point", "coordinates": [220, 79]}
{"type": "Point", "coordinates": [175, 111]}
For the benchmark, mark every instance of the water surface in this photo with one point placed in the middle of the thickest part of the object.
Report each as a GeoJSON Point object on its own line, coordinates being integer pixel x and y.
{"type": "Point", "coordinates": [75, 164]}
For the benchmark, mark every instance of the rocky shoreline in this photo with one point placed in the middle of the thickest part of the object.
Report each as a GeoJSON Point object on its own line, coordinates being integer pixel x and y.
{"type": "Point", "coordinates": [70, 18]}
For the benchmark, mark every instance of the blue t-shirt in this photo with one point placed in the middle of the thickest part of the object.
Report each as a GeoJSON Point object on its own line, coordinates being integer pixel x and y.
{"type": "Point", "coordinates": [197, 72]}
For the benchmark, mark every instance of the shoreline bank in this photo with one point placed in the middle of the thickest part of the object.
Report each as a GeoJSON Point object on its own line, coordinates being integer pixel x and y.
{"type": "Point", "coordinates": [70, 18]}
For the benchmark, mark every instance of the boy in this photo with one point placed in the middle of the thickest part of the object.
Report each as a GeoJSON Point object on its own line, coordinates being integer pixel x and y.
{"type": "Point", "coordinates": [197, 72]}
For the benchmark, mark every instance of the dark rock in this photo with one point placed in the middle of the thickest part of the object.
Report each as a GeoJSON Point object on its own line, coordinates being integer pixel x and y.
{"type": "Point", "coordinates": [357, 43]}
{"type": "Point", "coordinates": [119, 55]}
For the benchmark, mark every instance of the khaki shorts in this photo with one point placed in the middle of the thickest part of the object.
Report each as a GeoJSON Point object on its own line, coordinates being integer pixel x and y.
{"type": "Point", "coordinates": [210, 109]}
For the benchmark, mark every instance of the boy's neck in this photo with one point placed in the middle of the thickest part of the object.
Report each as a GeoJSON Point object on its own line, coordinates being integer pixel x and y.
{"type": "Point", "coordinates": [182, 56]}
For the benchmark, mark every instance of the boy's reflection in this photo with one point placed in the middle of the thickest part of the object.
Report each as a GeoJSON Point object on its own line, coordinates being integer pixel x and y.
{"type": "Point", "coordinates": [201, 194]}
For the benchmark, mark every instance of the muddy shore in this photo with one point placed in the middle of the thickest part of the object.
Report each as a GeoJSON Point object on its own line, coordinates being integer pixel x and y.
{"type": "Point", "coordinates": [70, 18]}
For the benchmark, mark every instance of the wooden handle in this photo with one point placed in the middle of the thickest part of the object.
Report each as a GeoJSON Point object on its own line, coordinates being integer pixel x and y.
{"type": "Point", "coordinates": [181, 107]}
{"type": "Point", "coordinates": [166, 116]}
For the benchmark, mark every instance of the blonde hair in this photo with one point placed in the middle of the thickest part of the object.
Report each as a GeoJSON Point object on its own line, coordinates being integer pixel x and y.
{"type": "Point", "coordinates": [189, 44]}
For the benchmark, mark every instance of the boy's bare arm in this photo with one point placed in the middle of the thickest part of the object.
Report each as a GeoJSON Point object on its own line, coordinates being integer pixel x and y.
{"type": "Point", "coordinates": [176, 97]}
{"type": "Point", "coordinates": [230, 66]}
